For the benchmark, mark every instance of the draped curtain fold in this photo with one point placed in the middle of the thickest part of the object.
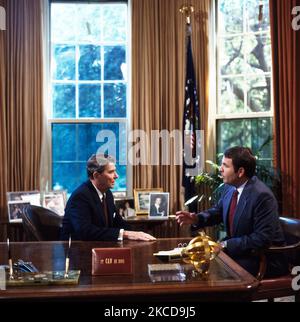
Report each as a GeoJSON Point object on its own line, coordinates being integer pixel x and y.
{"type": "Point", "coordinates": [286, 76]}
{"type": "Point", "coordinates": [158, 81]}
{"type": "Point", "coordinates": [21, 72]}
{"type": "Point", "coordinates": [3, 148]}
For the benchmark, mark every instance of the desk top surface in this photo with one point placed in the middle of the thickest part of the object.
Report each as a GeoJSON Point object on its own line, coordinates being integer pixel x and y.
{"type": "Point", "coordinates": [226, 280]}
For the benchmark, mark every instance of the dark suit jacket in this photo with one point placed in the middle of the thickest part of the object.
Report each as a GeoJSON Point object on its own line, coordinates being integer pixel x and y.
{"type": "Point", "coordinates": [84, 216]}
{"type": "Point", "coordinates": [154, 212]}
{"type": "Point", "coordinates": [255, 226]}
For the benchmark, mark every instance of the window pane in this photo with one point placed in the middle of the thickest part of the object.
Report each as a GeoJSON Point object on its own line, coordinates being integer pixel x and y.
{"type": "Point", "coordinates": [231, 55]}
{"type": "Point", "coordinates": [115, 100]}
{"type": "Point", "coordinates": [232, 95]}
{"type": "Point", "coordinates": [89, 26]}
{"type": "Point", "coordinates": [115, 22]}
{"type": "Point", "coordinates": [230, 16]}
{"type": "Point", "coordinates": [89, 63]}
{"type": "Point", "coordinates": [89, 100]}
{"type": "Point", "coordinates": [63, 101]}
{"type": "Point", "coordinates": [68, 175]}
{"type": "Point", "coordinates": [114, 59]}
{"type": "Point", "coordinates": [63, 62]}
{"type": "Point", "coordinates": [259, 94]}
{"type": "Point", "coordinates": [63, 142]}
{"type": "Point", "coordinates": [73, 144]}
{"type": "Point", "coordinates": [258, 53]}
{"type": "Point", "coordinates": [253, 23]}
{"type": "Point", "coordinates": [63, 22]}
{"type": "Point", "coordinates": [253, 133]}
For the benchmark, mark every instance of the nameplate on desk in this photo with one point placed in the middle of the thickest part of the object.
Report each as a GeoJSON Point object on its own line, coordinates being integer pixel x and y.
{"type": "Point", "coordinates": [111, 261]}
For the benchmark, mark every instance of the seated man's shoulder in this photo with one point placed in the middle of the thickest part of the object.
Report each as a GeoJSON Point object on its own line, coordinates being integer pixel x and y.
{"type": "Point", "coordinates": [261, 188]}
{"type": "Point", "coordinates": [83, 190]}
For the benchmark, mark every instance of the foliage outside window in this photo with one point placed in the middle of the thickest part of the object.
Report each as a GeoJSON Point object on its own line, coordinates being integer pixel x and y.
{"type": "Point", "coordinates": [244, 105]}
{"type": "Point", "coordinates": [89, 87]}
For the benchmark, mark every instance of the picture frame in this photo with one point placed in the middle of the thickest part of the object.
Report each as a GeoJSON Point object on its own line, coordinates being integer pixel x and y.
{"type": "Point", "coordinates": [55, 201]}
{"type": "Point", "coordinates": [33, 197]}
{"type": "Point", "coordinates": [159, 205]}
{"type": "Point", "coordinates": [142, 200]}
{"type": "Point", "coordinates": [15, 210]}
{"type": "Point", "coordinates": [125, 207]}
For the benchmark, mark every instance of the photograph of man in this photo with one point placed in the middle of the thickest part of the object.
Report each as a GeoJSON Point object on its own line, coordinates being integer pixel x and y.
{"type": "Point", "coordinates": [91, 213]}
{"type": "Point", "coordinates": [249, 212]}
{"type": "Point", "coordinates": [159, 204]}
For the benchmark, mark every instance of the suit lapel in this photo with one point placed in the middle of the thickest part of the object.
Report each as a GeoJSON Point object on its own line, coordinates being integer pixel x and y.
{"type": "Point", "coordinates": [226, 205]}
{"type": "Point", "coordinates": [97, 203]}
{"type": "Point", "coordinates": [242, 205]}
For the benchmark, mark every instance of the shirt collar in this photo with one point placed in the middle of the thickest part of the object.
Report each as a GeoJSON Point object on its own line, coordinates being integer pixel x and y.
{"type": "Point", "coordinates": [241, 188]}
{"type": "Point", "coordinates": [100, 194]}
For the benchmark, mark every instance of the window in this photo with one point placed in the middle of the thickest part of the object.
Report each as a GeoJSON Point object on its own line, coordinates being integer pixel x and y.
{"type": "Point", "coordinates": [89, 88]}
{"type": "Point", "coordinates": [244, 108]}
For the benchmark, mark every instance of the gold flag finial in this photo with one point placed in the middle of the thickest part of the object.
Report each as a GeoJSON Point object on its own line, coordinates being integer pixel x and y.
{"type": "Point", "coordinates": [187, 10]}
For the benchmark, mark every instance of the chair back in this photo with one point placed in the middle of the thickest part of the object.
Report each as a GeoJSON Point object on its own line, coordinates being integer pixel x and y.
{"type": "Point", "coordinates": [271, 288]}
{"type": "Point", "coordinates": [41, 224]}
{"type": "Point", "coordinates": [291, 230]}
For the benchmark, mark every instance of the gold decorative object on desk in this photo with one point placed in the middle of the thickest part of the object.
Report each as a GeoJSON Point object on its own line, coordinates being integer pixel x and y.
{"type": "Point", "coordinates": [200, 251]}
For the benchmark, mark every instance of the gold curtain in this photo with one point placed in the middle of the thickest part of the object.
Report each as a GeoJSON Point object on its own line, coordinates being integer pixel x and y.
{"type": "Point", "coordinates": [21, 70]}
{"type": "Point", "coordinates": [158, 80]}
{"type": "Point", "coordinates": [286, 75]}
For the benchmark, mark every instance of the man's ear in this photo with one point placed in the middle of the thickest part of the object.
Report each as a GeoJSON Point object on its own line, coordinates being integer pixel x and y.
{"type": "Point", "coordinates": [241, 172]}
{"type": "Point", "coordinates": [95, 175]}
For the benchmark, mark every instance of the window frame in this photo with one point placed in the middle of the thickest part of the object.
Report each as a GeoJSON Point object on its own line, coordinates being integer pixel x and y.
{"type": "Point", "coordinates": [215, 115]}
{"type": "Point", "coordinates": [47, 159]}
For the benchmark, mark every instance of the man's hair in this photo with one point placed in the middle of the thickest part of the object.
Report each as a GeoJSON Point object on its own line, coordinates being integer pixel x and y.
{"type": "Point", "coordinates": [242, 158]}
{"type": "Point", "coordinates": [97, 163]}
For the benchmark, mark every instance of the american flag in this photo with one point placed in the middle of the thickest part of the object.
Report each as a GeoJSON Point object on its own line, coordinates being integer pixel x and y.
{"type": "Point", "coordinates": [191, 122]}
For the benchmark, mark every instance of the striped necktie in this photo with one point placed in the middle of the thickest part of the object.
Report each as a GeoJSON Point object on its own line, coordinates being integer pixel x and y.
{"type": "Point", "coordinates": [232, 209]}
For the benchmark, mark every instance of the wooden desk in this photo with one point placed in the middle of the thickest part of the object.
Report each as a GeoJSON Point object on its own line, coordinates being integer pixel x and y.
{"type": "Point", "coordinates": [160, 228]}
{"type": "Point", "coordinates": [226, 282]}
{"type": "Point", "coordinates": [13, 231]}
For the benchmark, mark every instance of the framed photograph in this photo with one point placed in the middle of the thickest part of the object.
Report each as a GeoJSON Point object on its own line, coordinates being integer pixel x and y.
{"type": "Point", "coordinates": [33, 197]}
{"type": "Point", "coordinates": [15, 210]}
{"type": "Point", "coordinates": [142, 200]}
{"type": "Point", "coordinates": [159, 205]}
{"type": "Point", "coordinates": [119, 194]}
{"type": "Point", "coordinates": [55, 201]}
{"type": "Point", "coordinates": [125, 207]}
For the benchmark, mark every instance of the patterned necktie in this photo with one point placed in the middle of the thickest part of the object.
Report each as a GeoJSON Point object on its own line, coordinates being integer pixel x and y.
{"type": "Point", "coordinates": [232, 209]}
{"type": "Point", "coordinates": [105, 210]}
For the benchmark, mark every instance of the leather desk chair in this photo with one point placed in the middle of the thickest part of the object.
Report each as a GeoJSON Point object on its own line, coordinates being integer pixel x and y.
{"type": "Point", "coordinates": [271, 288]}
{"type": "Point", "coordinates": [41, 224]}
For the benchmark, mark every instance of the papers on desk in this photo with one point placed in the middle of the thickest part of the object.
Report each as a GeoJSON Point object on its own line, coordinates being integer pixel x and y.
{"type": "Point", "coordinates": [168, 255]}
